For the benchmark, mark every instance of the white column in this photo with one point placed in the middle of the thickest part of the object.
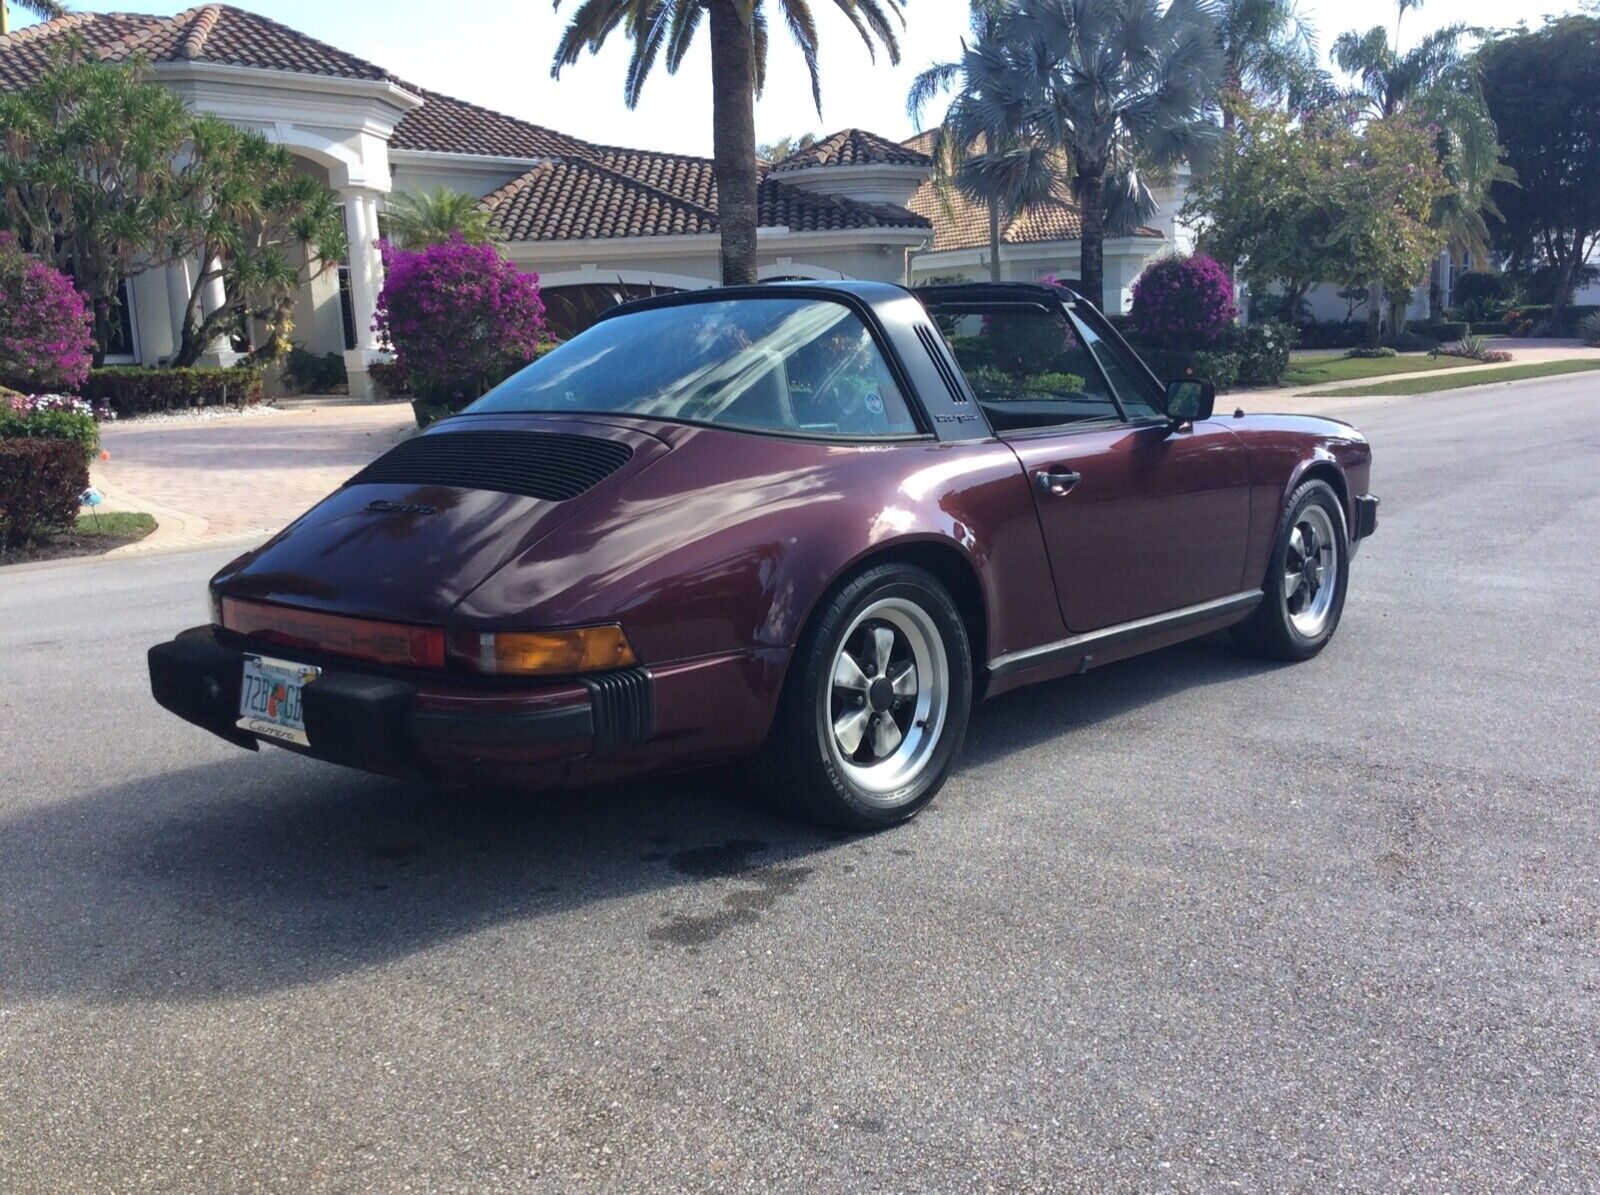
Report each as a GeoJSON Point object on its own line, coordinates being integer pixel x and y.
{"type": "Point", "coordinates": [366, 280]}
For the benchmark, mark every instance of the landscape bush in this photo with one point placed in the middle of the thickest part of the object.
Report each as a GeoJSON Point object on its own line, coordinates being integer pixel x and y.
{"type": "Point", "coordinates": [1218, 366]}
{"type": "Point", "coordinates": [389, 378]}
{"type": "Point", "coordinates": [135, 390]}
{"type": "Point", "coordinates": [1589, 329]}
{"type": "Point", "coordinates": [1478, 286]}
{"type": "Point", "coordinates": [1263, 349]}
{"type": "Point", "coordinates": [41, 483]}
{"type": "Point", "coordinates": [1442, 331]}
{"type": "Point", "coordinates": [314, 373]}
{"type": "Point", "coordinates": [460, 318]}
{"type": "Point", "coordinates": [1474, 348]}
{"type": "Point", "coordinates": [1366, 352]}
{"type": "Point", "coordinates": [1183, 302]}
{"type": "Point", "coordinates": [50, 417]}
{"type": "Point", "coordinates": [1332, 334]}
{"type": "Point", "coordinates": [46, 335]}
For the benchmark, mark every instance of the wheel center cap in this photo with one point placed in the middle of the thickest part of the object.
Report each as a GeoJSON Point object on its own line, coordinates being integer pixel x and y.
{"type": "Point", "coordinates": [881, 694]}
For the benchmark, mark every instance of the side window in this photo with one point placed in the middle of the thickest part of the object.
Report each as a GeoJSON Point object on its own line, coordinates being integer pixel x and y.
{"type": "Point", "coordinates": [1028, 366]}
{"type": "Point", "coordinates": [1137, 392]}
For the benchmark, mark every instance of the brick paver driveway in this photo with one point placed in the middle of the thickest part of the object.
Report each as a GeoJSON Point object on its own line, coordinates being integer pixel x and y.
{"type": "Point", "coordinates": [224, 478]}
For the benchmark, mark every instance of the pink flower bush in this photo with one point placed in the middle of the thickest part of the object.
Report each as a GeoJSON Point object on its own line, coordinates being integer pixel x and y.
{"type": "Point", "coordinates": [1183, 302]}
{"type": "Point", "coordinates": [46, 338]}
{"type": "Point", "coordinates": [459, 317]}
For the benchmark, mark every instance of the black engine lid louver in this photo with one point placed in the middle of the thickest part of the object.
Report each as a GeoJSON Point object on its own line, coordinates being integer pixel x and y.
{"type": "Point", "coordinates": [544, 465]}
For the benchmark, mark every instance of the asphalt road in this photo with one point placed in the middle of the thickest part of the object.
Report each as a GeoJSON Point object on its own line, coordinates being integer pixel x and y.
{"type": "Point", "coordinates": [1187, 922]}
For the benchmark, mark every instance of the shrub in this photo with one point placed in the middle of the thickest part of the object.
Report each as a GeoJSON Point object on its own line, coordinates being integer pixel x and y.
{"type": "Point", "coordinates": [1217, 366]}
{"type": "Point", "coordinates": [1333, 334]}
{"type": "Point", "coordinates": [1478, 286]}
{"type": "Point", "coordinates": [459, 317]}
{"type": "Point", "coordinates": [134, 390]}
{"type": "Point", "coordinates": [390, 378]}
{"type": "Point", "coordinates": [1474, 348]}
{"type": "Point", "coordinates": [314, 373]}
{"type": "Point", "coordinates": [1440, 330]}
{"type": "Point", "coordinates": [1589, 329]}
{"type": "Point", "coordinates": [41, 483]}
{"type": "Point", "coordinates": [1409, 342]}
{"type": "Point", "coordinates": [1183, 302]}
{"type": "Point", "coordinates": [1368, 353]}
{"type": "Point", "coordinates": [1263, 350]}
{"type": "Point", "coordinates": [46, 336]}
{"type": "Point", "coordinates": [50, 417]}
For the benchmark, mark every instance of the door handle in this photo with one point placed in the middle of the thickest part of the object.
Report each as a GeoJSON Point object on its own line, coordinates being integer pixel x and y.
{"type": "Point", "coordinates": [1057, 482]}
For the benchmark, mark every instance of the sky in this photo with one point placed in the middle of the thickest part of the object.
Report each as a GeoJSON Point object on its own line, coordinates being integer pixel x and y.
{"type": "Point", "coordinates": [497, 53]}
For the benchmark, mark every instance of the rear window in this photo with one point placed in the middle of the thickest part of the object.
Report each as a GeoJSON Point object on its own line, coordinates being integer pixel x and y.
{"type": "Point", "coordinates": [796, 365]}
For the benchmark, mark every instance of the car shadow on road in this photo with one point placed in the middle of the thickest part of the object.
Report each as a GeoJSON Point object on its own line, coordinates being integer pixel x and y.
{"type": "Point", "coordinates": [248, 875]}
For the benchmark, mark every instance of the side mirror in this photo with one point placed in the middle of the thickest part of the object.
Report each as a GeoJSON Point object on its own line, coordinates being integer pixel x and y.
{"type": "Point", "coordinates": [1189, 399]}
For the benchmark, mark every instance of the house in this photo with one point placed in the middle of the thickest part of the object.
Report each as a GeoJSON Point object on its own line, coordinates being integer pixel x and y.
{"type": "Point", "coordinates": [596, 222]}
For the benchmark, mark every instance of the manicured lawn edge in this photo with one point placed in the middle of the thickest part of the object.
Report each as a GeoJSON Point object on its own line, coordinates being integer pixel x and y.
{"type": "Point", "coordinates": [1310, 371]}
{"type": "Point", "coordinates": [115, 528]}
{"type": "Point", "coordinates": [1457, 381]}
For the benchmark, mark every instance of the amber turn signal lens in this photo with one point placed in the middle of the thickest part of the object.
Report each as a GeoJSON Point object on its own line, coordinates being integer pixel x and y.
{"type": "Point", "coordinates": [530, 653]}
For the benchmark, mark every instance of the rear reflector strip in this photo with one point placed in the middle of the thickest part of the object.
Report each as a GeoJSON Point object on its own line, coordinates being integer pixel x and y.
{"type": "Point", "coordinates": [390, 643]}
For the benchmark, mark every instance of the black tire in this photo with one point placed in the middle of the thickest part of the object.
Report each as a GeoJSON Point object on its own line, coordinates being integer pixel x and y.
{"type": "Point", "coordinates": [1274, 631]}
{"type": "Point", "coordinates": [803, 767]}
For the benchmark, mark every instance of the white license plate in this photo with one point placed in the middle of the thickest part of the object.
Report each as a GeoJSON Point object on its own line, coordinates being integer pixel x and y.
{"type": "Point", "coordinates": [269, 699]}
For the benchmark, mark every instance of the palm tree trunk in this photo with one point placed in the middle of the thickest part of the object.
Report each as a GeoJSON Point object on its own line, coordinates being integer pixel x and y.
{"type": "Point", "coordinates": [1092, 242]}
{"type": "Point", "coordinates": [994, 241]}
{"type": "Point", "coordinates": [733, 125]}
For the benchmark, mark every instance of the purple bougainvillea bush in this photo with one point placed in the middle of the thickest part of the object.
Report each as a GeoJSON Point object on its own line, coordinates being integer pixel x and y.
{"type": "Point", "coordinates": [1183, 303]}
{"type": "Point", "coordinates": [46, 338]}
{"type": "Point", "coordinates": [459, 317]}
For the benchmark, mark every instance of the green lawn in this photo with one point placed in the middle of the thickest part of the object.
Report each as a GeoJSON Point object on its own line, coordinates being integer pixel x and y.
{"type": "Point", "coordinates": [1483, 377]}
{"type": "Point", "coordinates": [1313, 371]}
{"type": "Point", "coordinates": [116, 524]}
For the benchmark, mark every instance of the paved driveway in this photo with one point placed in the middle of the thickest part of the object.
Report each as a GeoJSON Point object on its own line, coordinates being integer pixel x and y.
{"type": "Point", "coordinates": [1186, 922]}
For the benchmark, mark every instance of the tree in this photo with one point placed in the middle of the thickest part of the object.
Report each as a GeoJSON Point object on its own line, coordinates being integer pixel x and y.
{"type": "Point", "coordinates": [1433, 83]}
{"type": "Point", "coordinates": [738, 34]}
{"type": "Point", "coordinates": [1269, 52]}
{"type": "Point", "coordinates": [1004, 174]}
{"type": "Point", "coordinates": [45, 10]}
{"type": "Point", "coordinates": [783, 147]}
{"type": "Point", "coordinates": [255, 222]}
{"type": "Point", "coordinates": [413, 220]}
{"type": "Point", "coordinates": [1118, 91]}
{"type": "Point", "coordinates": [87, 171]}
{"type": "Point", "coordinates": [1540, 87]}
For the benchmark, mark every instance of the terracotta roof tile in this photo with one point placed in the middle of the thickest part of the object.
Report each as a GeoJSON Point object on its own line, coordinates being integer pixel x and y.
{"type": "Point", "coordinates": [853, 147]}
{"type": "Point", "coordinates": [447, 125]}
{"type": "Point", "coordinates": [218, 33]}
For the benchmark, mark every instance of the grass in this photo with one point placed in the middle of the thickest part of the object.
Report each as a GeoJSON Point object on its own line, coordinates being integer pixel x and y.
{"type": "Point", "coordinates": [115, 528]}
{"type": "Point", "coordinates": [1314, 371]}
{"type": "Point", "coordinates": [1456, 381]}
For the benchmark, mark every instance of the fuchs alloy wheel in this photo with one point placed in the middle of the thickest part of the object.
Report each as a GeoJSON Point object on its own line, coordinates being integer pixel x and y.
{"type": "Point", "coordinates": [876, 704]}
{"type": "Point", "coordinates": [1303, 594]}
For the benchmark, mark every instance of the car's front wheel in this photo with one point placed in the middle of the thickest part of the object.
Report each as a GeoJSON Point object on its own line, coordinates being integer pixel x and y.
{"type": "Point", "coordinates": [877, 701]}
{"type": "Point", "coordinates": [1303, 593]}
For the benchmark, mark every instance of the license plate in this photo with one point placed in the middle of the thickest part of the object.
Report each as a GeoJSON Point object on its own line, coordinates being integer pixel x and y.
{"type": "Point", "coordinates": [269, 699]}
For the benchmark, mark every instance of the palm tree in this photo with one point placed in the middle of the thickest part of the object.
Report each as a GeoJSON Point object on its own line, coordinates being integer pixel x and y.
{"type": "Point", "coordinates": [1435, 82]}
{"type": "Point", "coordinates": [45, 10]}
{"type": "Point", "coordinates": [413, 220]}
{"type": "Point", "coordinates": [1006, 179]}
{"type": "Point", "coordinates": [1268, 49]}
{"type": "Point", "coordinates": [738, 31]}
{"type": "Point", "coordinates": [1117, 91]}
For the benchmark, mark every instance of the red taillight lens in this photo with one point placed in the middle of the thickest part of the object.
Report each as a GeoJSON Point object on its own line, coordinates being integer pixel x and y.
{"type": "Point", "coordinates": [359, 638]}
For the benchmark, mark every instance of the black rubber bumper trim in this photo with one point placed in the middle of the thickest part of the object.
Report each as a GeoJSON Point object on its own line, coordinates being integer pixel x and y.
{"type": "Point", "coordinates": [371, 722]}
{"type": "Point", "coordinates": [1366, 516]}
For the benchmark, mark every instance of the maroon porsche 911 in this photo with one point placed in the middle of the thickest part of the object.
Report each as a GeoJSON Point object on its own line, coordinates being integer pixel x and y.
{"type": "Point", "coordinates": [808, 524]}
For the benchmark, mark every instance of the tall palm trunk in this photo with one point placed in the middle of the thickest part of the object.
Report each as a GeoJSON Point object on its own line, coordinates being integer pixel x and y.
{"type": "Point", "coordinates": [733, 125]}
{"type": "Point", "coordinates": [1092, 245]}
{"type": "Point", "coordinates": [994, 241]}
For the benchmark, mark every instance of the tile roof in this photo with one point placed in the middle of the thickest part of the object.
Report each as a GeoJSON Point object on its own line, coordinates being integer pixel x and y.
{"type": "Point", "coordinates": [959, 223]}
{"type": "Point", "coordinates": [581, 190]}
{"type": "Point", "coordinates": [853, 147]}
{"type": "Point", "coordinates": [609, 191]}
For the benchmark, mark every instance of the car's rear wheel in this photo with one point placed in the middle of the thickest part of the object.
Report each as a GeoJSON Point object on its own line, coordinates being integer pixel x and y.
{"type": "Point", "coordinates": [877, 701]}
{"type": "Point", "coordinates": [1303, 593]}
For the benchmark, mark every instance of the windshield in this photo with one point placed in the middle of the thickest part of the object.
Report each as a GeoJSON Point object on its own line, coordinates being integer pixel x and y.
{"type": "Point", "coordinates": [807, 366]}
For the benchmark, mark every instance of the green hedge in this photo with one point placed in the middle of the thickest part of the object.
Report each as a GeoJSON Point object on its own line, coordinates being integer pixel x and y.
{"type": "Point", "coordinates": [50, 419]}
{"type": "Point", "coordinates": [1217, 366]}
{"type": "Point", "coordinates": [41, 484]}
{"type": "Point", "coordinates": [1444, 331]}
{"type": "Point", "coordinates": [134, 390]}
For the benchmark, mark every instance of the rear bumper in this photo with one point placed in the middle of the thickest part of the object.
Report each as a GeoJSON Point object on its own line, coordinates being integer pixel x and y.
{"type": "Point", "coordinates": [391, 726]}
{"type": "Point", "coordinates": [1366, 517]}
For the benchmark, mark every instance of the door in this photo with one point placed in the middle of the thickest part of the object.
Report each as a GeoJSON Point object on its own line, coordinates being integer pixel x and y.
{"type": "Point", "coordinates": [1138, 518]}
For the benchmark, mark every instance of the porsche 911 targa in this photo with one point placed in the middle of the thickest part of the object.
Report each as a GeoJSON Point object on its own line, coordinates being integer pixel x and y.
{"type": "Point", "coordinates": [807, 524]}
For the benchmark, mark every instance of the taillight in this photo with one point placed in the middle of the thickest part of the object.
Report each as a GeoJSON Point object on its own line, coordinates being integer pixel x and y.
{"type": "Point", "coordinates": [533, 653]}
{"type": "Point", "coordinates": [391, 643]}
